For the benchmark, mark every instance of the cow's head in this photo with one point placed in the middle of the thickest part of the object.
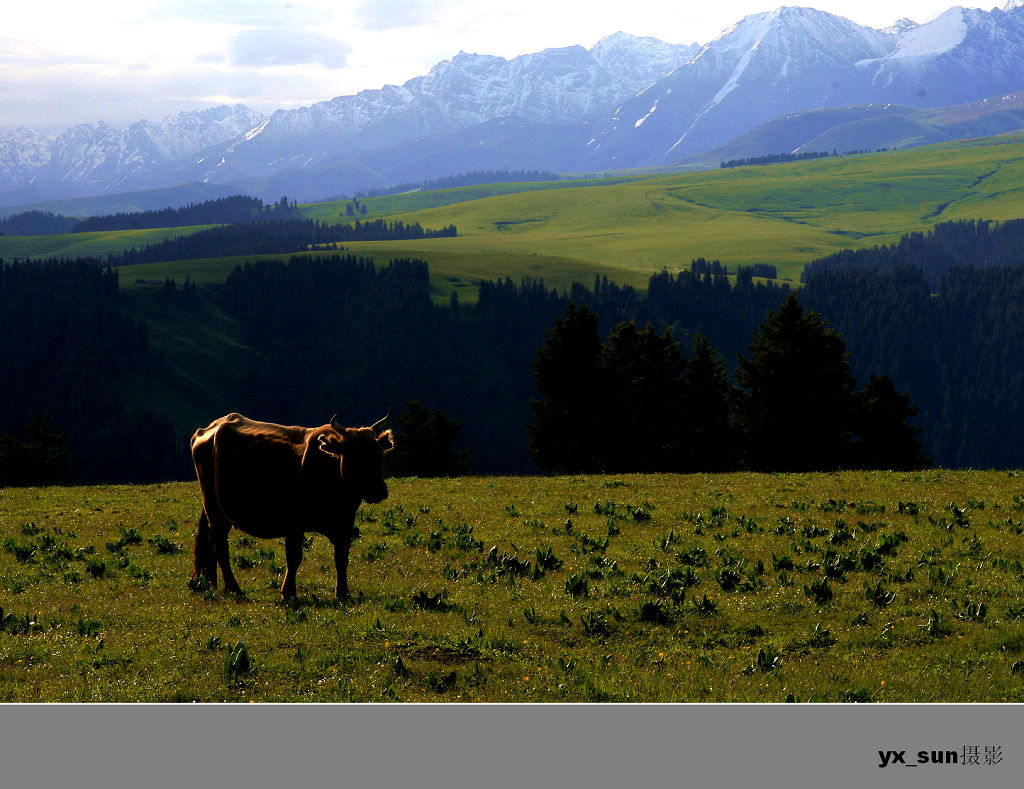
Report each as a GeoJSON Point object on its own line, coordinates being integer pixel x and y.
{"type": "Point", "coordinates": [360, 451]}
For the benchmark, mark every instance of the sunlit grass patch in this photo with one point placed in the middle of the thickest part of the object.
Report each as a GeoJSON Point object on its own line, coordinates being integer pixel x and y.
{"type": "Point", "coordinates": [850, 587]}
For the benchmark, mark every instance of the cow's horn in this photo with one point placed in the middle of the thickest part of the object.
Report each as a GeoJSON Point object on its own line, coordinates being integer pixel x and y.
{"type": "Point", "coordinates": [380, 422]}
{"type": "Point", "coordinates": [336, 424]}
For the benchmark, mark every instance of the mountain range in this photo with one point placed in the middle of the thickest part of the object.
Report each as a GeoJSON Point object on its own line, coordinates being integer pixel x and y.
{"type": "Point", "coordinates": [794, 78]}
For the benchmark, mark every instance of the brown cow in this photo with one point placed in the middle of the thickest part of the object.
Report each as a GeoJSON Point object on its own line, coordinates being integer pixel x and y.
{"type": "Point", "coordinates": [283, 481]}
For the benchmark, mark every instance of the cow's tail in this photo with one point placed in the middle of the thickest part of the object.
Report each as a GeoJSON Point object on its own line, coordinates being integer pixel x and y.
{"type": "Point", "coordinates": [205, 558]}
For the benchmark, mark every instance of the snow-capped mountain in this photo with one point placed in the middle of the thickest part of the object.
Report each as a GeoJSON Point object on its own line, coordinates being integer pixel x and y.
{"type": "Point", "coordinates": [948, 59]}
{"type": "Point", "coordinates": [626, 102]}
{"type": "Point", "coordinates": [763, 66]}
{"type": "Point", "coordinates": [555, 86]}
{"type": "Point", "coordinates": [795, 59]}
{"type": "Point", "coordinates": [770, 64]}
{"type": "Point", "coordinates": [23, 151]}
{"type": "Point", "coordinates": [96, 158]}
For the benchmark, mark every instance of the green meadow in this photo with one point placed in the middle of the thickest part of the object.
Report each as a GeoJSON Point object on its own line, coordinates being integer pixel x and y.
{"type": "Point", "coordinates": [847, 587]}
{"type": "Point", "coordinates": [96, 244]}
{"type": "Point", "coordinates": [784, 215]}
{"type": "Point", "coordinates": [630, 227]}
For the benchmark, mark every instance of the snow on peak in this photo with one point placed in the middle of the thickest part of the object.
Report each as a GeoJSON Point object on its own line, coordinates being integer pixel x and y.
{"type": "Point", "coordinates": [796, 25]}
{"type": "Point", "coordinates": [902, 25]}
{"type": "Point", "coordinates": [24, 148]}
{"type": "Point", "coordinates": [936, 37]}
{"type": "Point", "coordinates": [745, 34]}
{"type": "Point", "coordinates": [96, 151]}
{"type": "Point", "coordinates": [637, 61]}
{"type": "Point", "coordinates": [788, 35]}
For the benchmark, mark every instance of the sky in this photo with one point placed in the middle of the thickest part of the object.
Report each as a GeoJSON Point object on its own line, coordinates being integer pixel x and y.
{"type": "Point", "coordinates": [117, 61]}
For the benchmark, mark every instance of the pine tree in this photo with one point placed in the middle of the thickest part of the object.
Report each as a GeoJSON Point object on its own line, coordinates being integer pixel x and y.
{"type": "Point", "coordinates": [643, 373]}
{"type": "Point", "coordinates": [709, 438]}
{"type": "Point", "coordinates": [569, 421]}
{"type": "Point", "coordinates": [886, 439]}
{"type": "Point", "coordinates": [425, 445]}
{"type": "Point", "coordinates": [796, 405]}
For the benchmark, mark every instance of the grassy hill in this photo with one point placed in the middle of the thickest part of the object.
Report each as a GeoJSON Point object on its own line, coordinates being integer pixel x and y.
{"type": "Point", "coordinates": [869, 587]}
{"type": "Point", "coordinates": [97, 244]}
{"type": "Point", "coordinates": [628, 228]}
{"type": "Point", "coordinates": [784, 214]}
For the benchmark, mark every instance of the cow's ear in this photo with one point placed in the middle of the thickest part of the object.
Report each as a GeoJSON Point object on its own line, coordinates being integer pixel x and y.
{"type": "Point", "coordinates": [330, 445]}
{"type": "Point", "coordinates": [386, 441]}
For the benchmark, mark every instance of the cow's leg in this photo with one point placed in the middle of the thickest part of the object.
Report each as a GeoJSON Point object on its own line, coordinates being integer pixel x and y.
{"type": "Point", "coordinates": [293, 558]}
{"type": "Point", "coordinates": [341, 548]}
{"type": "Point", "coordinates": [220, 528]}
{"type": "Point", "coordinates": [205, 561]}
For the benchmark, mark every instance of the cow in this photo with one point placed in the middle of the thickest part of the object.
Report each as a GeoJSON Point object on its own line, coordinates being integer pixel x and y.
{"type": "Point", "coordinates": [271, 480]}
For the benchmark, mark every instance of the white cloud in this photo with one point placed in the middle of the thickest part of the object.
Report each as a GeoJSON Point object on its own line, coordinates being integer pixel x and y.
{"type": "Point", "coordinates": [245, 13]}
{"type": "Point", "coordinates": [50, 105]}
{"type": "Point", "coordinates": [263, 46]}
{"type": "Point", "coordinates": [391, 14]}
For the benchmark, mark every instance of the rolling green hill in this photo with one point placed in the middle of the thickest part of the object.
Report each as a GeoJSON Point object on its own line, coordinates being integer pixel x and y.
{"type": "Point", "coordinates": [784, 214]}
{"type": "Point", "coordinates": [98, 244]}
{"type": "Point", "coordinates": [628, 228]}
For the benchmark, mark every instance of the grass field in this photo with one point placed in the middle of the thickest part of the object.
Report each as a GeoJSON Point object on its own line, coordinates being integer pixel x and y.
{"type": "Point", "coordinates": [859, 586]}
{"type": "Point", "coordinates": [628, 228]}
{"type": "Point", "coordinates": [784, 215]}
{"type": "Point", "coordinates": [97, 244]}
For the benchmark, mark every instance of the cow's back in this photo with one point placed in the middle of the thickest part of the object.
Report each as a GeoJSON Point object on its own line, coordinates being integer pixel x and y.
{"type": "Point", "coordinates": [249, 472]}
{"type": "Point", "coordinates": [244, 429]}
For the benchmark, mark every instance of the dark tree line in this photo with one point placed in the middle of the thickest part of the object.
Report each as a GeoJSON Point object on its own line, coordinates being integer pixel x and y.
{"type": "Point", "coordinates": [940, 312]}
{"type": "Point", "coordinates": [724, 311]}
{"type": "Point", "coordinates": [337, 334]}
{"type": "Point", "coordinates": [636, 403]}
{"type": "Point", "coordinates": [36, 223]}
{"type": "Point", "coordinates": [775, 158]}
{"type": "Point", "coordinates": [220, 211]}
{"type": "Point", "coordinates": [959, 350]}
{"type": "Point", "coordinates": [967, 243]}
{"type": "Point", "coordinates": [714, 267]}
{"type": "Point", "coordinates": [473, 178]}
{"type": "Point", "coordinates": [223, 210]}
{"type": "Point", "coordinates": [632, 403]}
{"type": "Point", "coordinates": [782, 158]}
{"type": "Point", "coordinates": [65, 342]}
{"type": "Point", "coordinates": [272, 238]}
